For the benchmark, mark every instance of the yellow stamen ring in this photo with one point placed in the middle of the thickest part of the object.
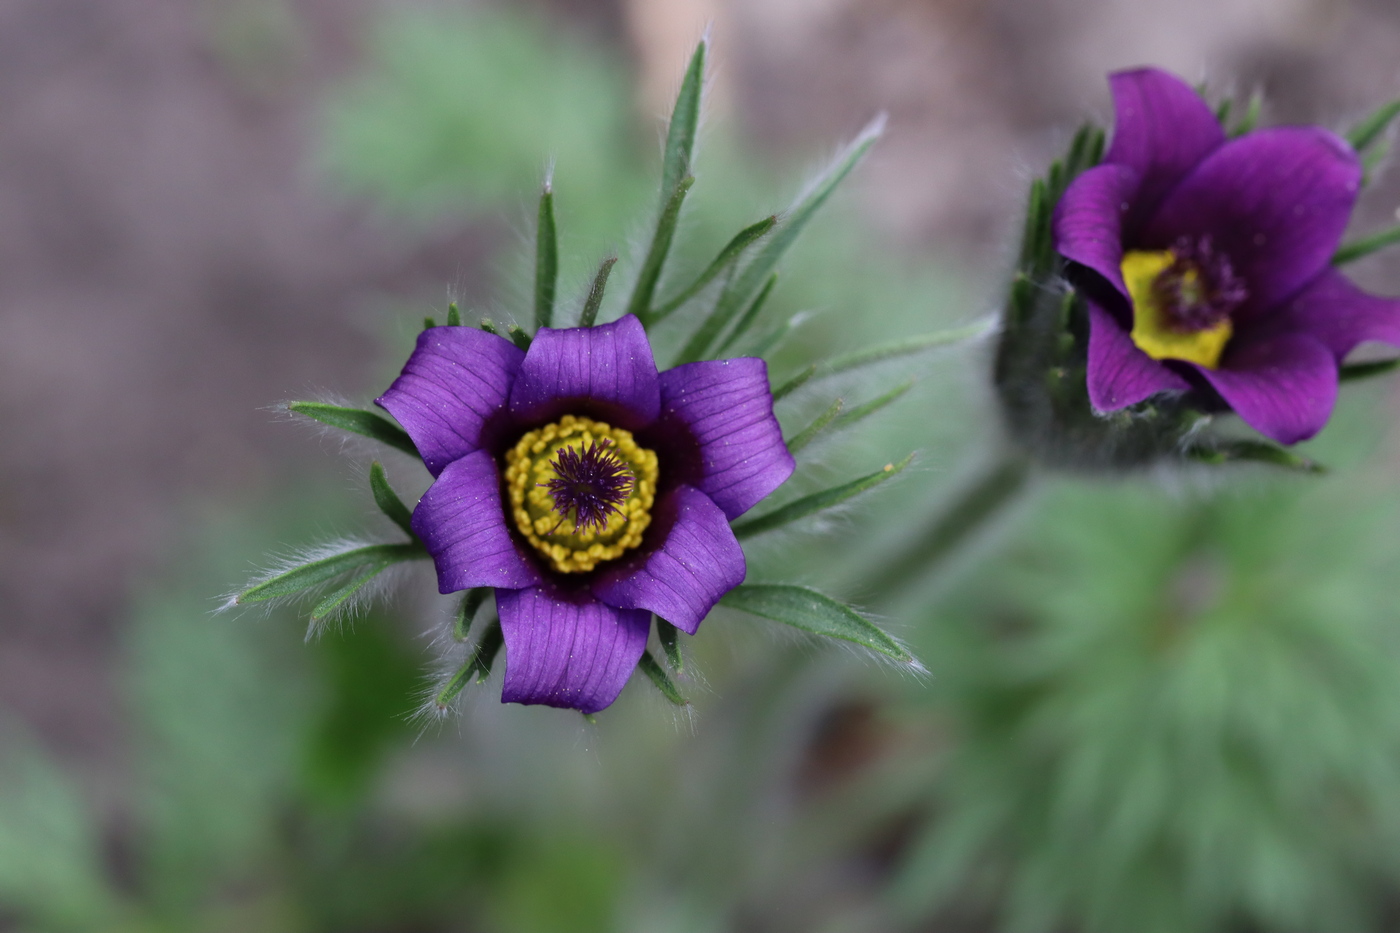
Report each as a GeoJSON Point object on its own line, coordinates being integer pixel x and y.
{"type": "Point", "coordinates": [1152, 331]}
{"type": "Point", "coordinates": [530, 467]}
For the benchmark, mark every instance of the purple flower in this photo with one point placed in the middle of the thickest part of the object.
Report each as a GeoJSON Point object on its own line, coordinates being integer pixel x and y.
{"type": "Point", "coordinates": [1211, 261]}
{"type": "Point", "coordinates": [587, 488]}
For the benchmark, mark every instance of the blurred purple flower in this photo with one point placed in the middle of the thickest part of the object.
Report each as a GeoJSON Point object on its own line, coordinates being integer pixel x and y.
{"type": "Point", "coordinates": [587, 488]}
{"type": "Point", "coordinates": [1212, 261]}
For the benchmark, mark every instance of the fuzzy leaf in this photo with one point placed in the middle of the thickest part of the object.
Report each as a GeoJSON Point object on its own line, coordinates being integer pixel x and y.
{"type": "Point", "coordinates": [749, 316]}
{"type": "Point", "coordinates": [650, 274]}
{"type": "Point", "coordinates": [454, 316]}
{"type": "Point", "coordinates": [730, 254]}
{"type": "Point", "coordinates": [679, 154]}
{"type": "Point", "coordinates": [357, 421]}
{"type": "Point", "coordinates": [518, 337]}
{"type": "Point", "coordinates": [336, 599]}
{"type": "Point", "coordinates": [860, 412]}
{"type": "Point", "coordinates": [388, 501]}
{"type": "Point", "coordinates": [1246, 451]}
{"type": "Point", "coordinates": [795, 383]}
{"type": "Point", "coordinates": [546, 259]}
{"type": "Point", "coordinates": [1350, 252]}
{"type": "Point", "coordinates": [735, 296]}
{"type": "Point", "coordinates": [819, 424]}
{"type": "Point", "coordinates": [813, 612]}
{"type": "Point", "coordinates": [467, 610]}
{"type": "Point", "coordinates": [660, 679]}
{"type": "Point", "coordinates": [668, 634]}
{"type": "Point", "coordinates": [595, 293]}
{"type": "Point", "coordinates": [319, 571]}
{"type": "Point", "coordinates": [907, 346]}
{"type": "Point", "coordinates": [818, 501]}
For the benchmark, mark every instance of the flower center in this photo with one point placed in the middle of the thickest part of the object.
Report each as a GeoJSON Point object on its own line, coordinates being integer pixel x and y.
{"type": "Point", "coordinates": [1182, 301]}
{"type": "Point", "coordinates": [580, 491]}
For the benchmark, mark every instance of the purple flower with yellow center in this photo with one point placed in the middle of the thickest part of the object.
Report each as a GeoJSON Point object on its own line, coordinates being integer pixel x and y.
{"type": "Point", "coordinates": [1206, 261]}
{"type": "Point", "coordinates": [587, 489]}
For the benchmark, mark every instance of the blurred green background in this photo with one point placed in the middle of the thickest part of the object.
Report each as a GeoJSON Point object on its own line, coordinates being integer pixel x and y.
{"type": "Point", "coordinates": [1170, 703]}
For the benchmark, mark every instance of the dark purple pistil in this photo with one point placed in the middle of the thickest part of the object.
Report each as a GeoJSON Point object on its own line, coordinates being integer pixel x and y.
{"type": "Point", "coordinates": [592, 481]}
{"type": "Point", "coordinates": [1200, 289]}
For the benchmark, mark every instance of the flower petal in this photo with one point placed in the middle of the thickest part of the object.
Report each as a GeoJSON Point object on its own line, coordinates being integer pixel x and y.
{"type": "Point", "coordinates": [1276, 202]}
{"type": "Point", "coordinates": [1161, 129]}
{"type": "Point", "coordinates": [568, 649]}
{"type": "Point", "coordinates": [606, 372]}
{"type": "Point", "coordinates": [1284, 387]}
{"type": "Point", "coordinates": [452, 391]}
{"type": "Point", "coordinates": [699, 561]}
{"type": "Point", "coordinates": [1119, 373]}
{"type": "Point", "coordinates": [724, 408]}
{"type": "Point", "coordinates": [1089, 220]}
{"type": "Point", "coordinates": [463, 525]}
{"type": "Point", "coordinates": [1334, 311]}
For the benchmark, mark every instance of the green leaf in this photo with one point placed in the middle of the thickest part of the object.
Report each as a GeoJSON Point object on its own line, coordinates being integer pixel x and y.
{"type": "Point", "coordinates": [319, 571]}
{"type": "Point", "coordinates": [809, 433]}
{"type": "Point", "coordinates": [861, 412]}
{"type": "Point", "coordinates": [1354, 371]}
{"type": "Point", "coordinates": [357, 421]}
{"type": "Point", "coordinates": [685, 122]}
{"type": "Point", "coordinates": [453, 688]}
{"type": "Point", "coordinates": [737, 293]}
{"type": "Point", "coordinates": [467, 610]}
{"type": "Point", "coordinates": [490, 328]}
{"type": "Point", "coordinates": [454, 316]}
{"type": "Point", "coordinates": [1369, 130]}
{"type": "Point", "coordinates": [640, 303]}
{"type": "Point", "coordinates": [668, 634]}
{"type": "Point", "coordinates": [812, 612]}
{"type": "Point", "coordinates": [1246, 451]}
{"type": "Point", "coordinates": [1036, 237]}
{"type": "Point", "coordinates": [751, 315]}
{"type": "Point", "coordinates": [429, 323]}
{"type": "Point", "coordinates": [659, 678]}
{"type": "Point", "coordinates": [1250, 119]}
{"type": "Point", "coordinates": [487, 649]}
{"type": "Point", "coordinates": [336, 599]}
{"type": "Point", "coordinates": [1222, 111]}
{"type": "Point", "coordinates": [818, 501]}
{"type": "Point", "coordinates": [1350, 252]}
{"type": "Point", "coordinates": [907, 346]}
{"type": "Point", "coordinates": [595, 293]}
{"type": "Point", "coordinates": [518, 337]}
{"type": "Point", "coordinates": [730, 254]}
{"type": "Point", "coordinates": [546, 259]}
{"type": "Point", "coordinates": [795, 383]}
{"type": "Point", "coordinates": [774, 338]}
{"type": "Point", "coordinates": [388, 501]}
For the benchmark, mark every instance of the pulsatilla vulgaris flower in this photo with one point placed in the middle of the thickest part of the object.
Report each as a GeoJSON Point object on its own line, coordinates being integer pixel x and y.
{"type": "Point", "coordinates": [587, 488]}
{"type": "Point", "coordinates": [1206, 261]}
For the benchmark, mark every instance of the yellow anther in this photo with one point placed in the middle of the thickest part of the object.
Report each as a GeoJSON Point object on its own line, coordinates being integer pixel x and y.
{"type": "Point", "coordinates": [1152, 331]}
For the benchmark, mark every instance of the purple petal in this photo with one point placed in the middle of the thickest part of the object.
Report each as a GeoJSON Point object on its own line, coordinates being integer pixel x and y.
{"type": "Point", "coordinates": [463, 525]}
{"type": "Point", "coordinates": [1334, 311]}
{"type": "Point", "coordinates": [699, 561]}
{"type": "Point", "coordinates": [1089, 220]}
{"type": "Point", "coordinates": [1119, 373]}
{"type": "Point", "coordinates": [452, 389]}
{"type": "Point", "coordinates": [1161, 129]}
{"type": "Point", "coordinates": [1276, 202]}
{"type": "Point", "coordinates": [726, 409]}
{"type": "Point", "coordinates": [1283, 387]}
{"type": "Point", "coordinates": [606, 372]}
{"type": "Point", "coordinates": [568, 649]}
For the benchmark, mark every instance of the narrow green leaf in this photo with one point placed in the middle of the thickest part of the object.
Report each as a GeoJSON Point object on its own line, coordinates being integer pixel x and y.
{"type": "Point", "coordinates": [795, 383]}
{"type": "Point", "coordinates": [518, 337]}
{"type": "Point", "coordinates": [1250, 118]}
{"type": "Point", "coordinates": [487, 649]}
{"type": "Point", "coordinates": [357, 421]}
{"type": "Point", "coordinates": [1037, 223]}
{"type": "Point", "coordinates": [595, 293]}
{"type": "Point", "coordinates": [869, 408]}
{"type": "Point", "coordinates": [336, 599]}
{"type": "Point", "coordinates": [817, 501]}
{"type": "Point", "coordinates": [319, 571]}
{"type": "Point", "coordinates": [751, 315]}
{"type": "Point", "coordinates": [679, 154]}
{"type": "Point", "coordinates": [731, 253]}
{"type": "Point", "coordinates": [660, 248]}
{"type": "Point", "coordinates": [809, 433]}
{"type": "Point", "coordinates": [1350, 252]}
{"type": "Point", "coordinates": [659, 678]}
{"type": "Point", "coordinates": [467, 610]}
{"type": "Point", "coordinates": [1222, 112]}
{"type": "Point", "coordinates": [737, 293]}
{"type": "Point", "coordinates": [388, 501]}
{"type": "Point", "coordinates": [454, 316]}
{"type": "Point", "coordinates": [907, 346]}
{"type": "Point", "coordinates": [1372, 160]}
{"type": "Point", "coordinates": [774, 338]}
{"type": "Point", "coordinates": [490, 328]}
{"type": "Point", "coordinates": [668, 634]}
{"type": "Point", "coordinates": [1246, 451]}
{"type": "Point", "coordinates": [429, 323]}
{"type": "Point", "coordinates": [1353, 371]}
{"type": "Point", "coordinates": [812, 612]}
{"type": "Point", "coordinates": [1369, 130]}
{"type": "Point", "coordinates": [457, 684]}
{"type": "Point", "coordinates": [546, 259]}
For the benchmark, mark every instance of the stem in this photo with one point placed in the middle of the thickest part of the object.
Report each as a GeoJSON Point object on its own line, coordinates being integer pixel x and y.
{"type": "Point", "coordinates": [969, 512]}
